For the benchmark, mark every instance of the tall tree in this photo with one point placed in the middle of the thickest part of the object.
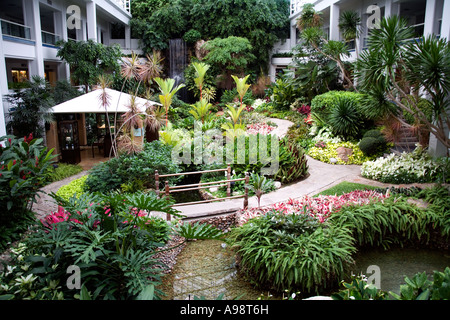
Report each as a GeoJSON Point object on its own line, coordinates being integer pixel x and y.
{"type": "Point", "coordinates": [229, 56]}
{"type": "Point", "coordinates": [394, 70]}
{"type": "Point", "coordinates": [263, 22]}
{"type": "Point", "coordinates": [31, 109]}
{"type": "Point", "coordinates": [89, 59]}
{"type": "Point", "coordinates": [310, 24]}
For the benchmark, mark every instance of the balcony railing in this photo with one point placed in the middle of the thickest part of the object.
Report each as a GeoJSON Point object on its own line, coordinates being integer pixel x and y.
{"type": "Point", "coordinates": [296, 5]}
{"type": "Point", "coordinates": [125, 4]}
{"type": "Point", "coordinates": [15, 30]}
{"type": "Point", "coordinates": [49, 38]}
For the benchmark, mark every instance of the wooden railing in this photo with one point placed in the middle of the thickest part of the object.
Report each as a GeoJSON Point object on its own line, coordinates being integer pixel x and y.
{"type": "Point", "coordinates": [202, 185]}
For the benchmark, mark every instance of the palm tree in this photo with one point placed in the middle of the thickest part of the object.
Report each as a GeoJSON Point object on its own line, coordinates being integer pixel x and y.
{"type": "Point", "coordinates": [310, 25]}
{"type": "Point", "coordinates": [153, 121]}
{"type": "Point", "coordinates": [403, 68]}
{"type": "Point", "coordinates": [350, 26]}
{"type": "Point", "coordinates": [151, 68]}
{"type": "Point", "coordinates": [241, 86]}
{"type": "Point", "coordinates": [200, 69]}
{"type": "Point", "coordinates": [104, 82]}
{"type": "Point", "coordinates": [259, 185]}
{"type": "Point", "coordinates": [166, 86]}
{"type": "Point", "coordinates": [309, 18]}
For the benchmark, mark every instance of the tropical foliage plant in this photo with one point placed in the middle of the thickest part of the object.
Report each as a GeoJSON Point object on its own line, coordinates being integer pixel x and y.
{"type": "Point", "coordinates": [109, 237]}
{"type": "Point", "coordinates": [32, 108]}
{"type": "Point", "coordinates": [166, 86]}
{"type": "Point", "coordinates": [393, 67]}
{"type": "Point", "coordinates": [293, 251]}
{"type": "Point", "coordinates": [24, 162]}
{"type": "Point", "coordinates": [89, 59]}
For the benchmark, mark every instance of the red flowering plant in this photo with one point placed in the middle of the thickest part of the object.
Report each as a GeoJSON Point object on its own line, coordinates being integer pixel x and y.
{"type": "Point", "coordinates": [304, 109]}
{"type": "Point", "coordinates": [114, 212]}
{"type": "Point", "coordinates": [23, 162]}
{"type": "Point", "coordinates": [320, 207]}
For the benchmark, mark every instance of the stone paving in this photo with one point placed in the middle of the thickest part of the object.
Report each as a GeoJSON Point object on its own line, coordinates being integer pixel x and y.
{"type": "Point", "coordinates": [45, 204]}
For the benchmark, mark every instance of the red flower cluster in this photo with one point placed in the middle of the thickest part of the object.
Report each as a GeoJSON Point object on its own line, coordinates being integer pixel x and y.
{"type": "Point", "coordinates": [62, 215]}
{"type": "Point", "coordinates": [29, 138]}
{"type": "Point", "coordinates": [320, 207]}
{"type": "Point", "coordinates": [304, 109]}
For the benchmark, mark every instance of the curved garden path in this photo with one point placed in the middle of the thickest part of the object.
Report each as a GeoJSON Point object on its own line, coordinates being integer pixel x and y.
{"type": "Point", "coordinates": [321, 176]}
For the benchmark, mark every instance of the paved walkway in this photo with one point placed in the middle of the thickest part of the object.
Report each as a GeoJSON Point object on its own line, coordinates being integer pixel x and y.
{"type": "Point", "coordinates": [46, 204]}
{"type": "Point", "coordinates": [321, 177]}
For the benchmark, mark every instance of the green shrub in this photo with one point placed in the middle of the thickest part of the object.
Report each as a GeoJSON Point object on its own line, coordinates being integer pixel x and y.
{"type": "Point", "coordinates": [192, 36]}
{"type": "Point", "coordinates": [230, 96]}
{"type": "Point", "coordinates": [294, 251]}
{"type": "Point", "coordinates": [73, 187]}
{"type": "Point", "coordinates": [373, 143]}
{"type": "Point", "coordinates": [375, 133]}
{"type": "Point", "coordinates": [109, 237]}
{"type": "Point", "coordinates": [419, 287]}
{"type": "Point", "coordinates": [283, 94]}
{"type": "Point", "coordinates": [23, 162]}
{"type": "Point", "coordinates": [341, 110]}
{"type": "Point", "coordinates": [62, 171]}
{"type": "Point", "coordinates": [369, 145]}
{"type": "Point", "coordinates": [133, 169]}
{"type": "Point", "coordinates": [344, 118]}
{"type": "Point", "coordinates": [293, 164]}
{"type": "Point", "coordinates": [359, 289]}
{"type": "Point", "coordinates": [393, 221]}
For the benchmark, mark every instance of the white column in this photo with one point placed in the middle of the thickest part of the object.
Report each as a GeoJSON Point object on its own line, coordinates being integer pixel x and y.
{"type": "Point", "coordinates": [127, 37]}
{"type": "Point", "coordinates": [3, 89]}
{"type": "Point", "coordinates": [91, 14]}
{"type": "Point", "coordinates": [334, 22]}
{"type": "Point", "coordinates": [390, 8]}
{"type": "Point", "coordinates": [430, 17]}
{"type": "Point", "coordinates": [293, 35]}
{"type": "Point", "coordinates": [34, 22]}
{"type": "Point", "coordinates": [445, 26]}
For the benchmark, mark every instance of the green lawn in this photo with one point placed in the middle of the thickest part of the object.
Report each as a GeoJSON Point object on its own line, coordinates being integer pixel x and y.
{"type": "Point", "coordinates": [345, 187]}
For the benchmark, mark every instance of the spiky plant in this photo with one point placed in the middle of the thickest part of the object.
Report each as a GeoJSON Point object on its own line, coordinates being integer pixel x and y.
{"type": "Point", "coordinates": [166, 86]}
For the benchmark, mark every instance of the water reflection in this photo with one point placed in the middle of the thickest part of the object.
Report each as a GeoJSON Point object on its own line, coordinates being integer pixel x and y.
{"type": "Point", "coordinates": [397, 263]}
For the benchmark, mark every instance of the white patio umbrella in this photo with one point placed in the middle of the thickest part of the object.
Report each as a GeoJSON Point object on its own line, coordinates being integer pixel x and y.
{"type": "Point", "coordinates": [90, 103]}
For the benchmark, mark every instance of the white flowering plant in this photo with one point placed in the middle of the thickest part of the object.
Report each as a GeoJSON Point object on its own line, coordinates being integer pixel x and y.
{"type": "Point", "coordinates": [415, 167]}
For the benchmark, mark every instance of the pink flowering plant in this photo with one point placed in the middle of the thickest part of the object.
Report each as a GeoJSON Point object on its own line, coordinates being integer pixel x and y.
{"type": "Point", "coordinates": [261, 128]}
{"type": "Point", "coordinates": [320, 207]}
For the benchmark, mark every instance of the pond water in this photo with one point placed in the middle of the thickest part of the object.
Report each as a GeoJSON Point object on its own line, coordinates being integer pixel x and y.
{"type": "Point", "coordinates": [207, 268]}
{"type": "Point", "coordinates": [396, 263]}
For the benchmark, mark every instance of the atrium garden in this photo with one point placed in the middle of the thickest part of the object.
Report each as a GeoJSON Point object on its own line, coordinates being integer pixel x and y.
{"type": "Point", "coordinates": [110, 227]}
